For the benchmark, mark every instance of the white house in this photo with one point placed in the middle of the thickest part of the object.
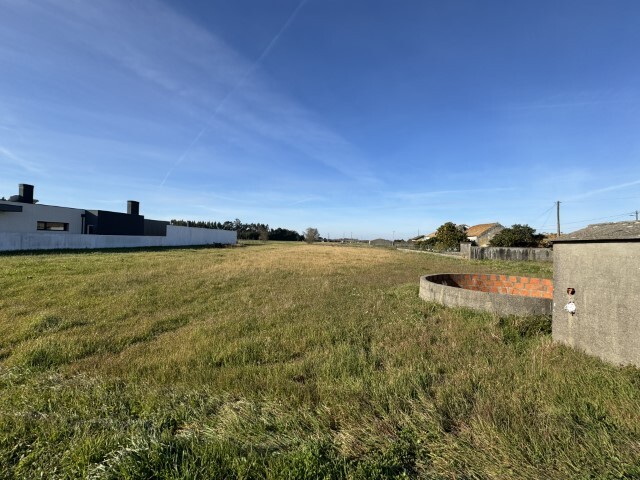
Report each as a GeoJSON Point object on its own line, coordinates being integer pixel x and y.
{"type": "Point", "coordinates": [26, 224]}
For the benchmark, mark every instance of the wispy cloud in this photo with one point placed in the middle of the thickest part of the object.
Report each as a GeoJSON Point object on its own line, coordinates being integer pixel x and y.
{"type": "Point", "coordinates": [419, 196]}
{"type": "Point", "coordinates": [599, 191]}
{"type": "Point", "coordinates": [10, 159]}
{"type": "Point", "coordinates": [235, 88]}
{"type": "Point", "coordinates": [223, 86]}
{"type": "Point", "coordinates": [134, 71]}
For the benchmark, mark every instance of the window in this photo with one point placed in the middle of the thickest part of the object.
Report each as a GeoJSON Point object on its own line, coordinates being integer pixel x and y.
{"type": "Point", "coordinates": [53, 226]}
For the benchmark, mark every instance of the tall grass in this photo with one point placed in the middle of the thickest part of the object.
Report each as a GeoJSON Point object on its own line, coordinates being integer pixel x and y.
{"type": "Point", "coordinates": [291, 361]}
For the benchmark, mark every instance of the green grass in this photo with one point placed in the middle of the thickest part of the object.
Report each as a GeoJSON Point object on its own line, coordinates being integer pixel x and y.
{"type": "Point", "coordinates": [291, 361]}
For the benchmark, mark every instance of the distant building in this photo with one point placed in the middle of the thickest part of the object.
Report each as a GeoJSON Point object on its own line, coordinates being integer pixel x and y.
{"type": "Point", "coordinates": [27, 224]}
{"type": "Point", "coordinates": [423, 238]}
{"type": "Point", "coordinates": [381, 242]}
{"type": "Point", "coordinates": [483, 233]}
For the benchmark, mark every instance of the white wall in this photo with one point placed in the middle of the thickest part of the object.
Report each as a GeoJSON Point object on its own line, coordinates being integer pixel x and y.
{"type": "Point", "coordinates": [176, 236]}
{"type": "Point", "coordinates": [27, 220]}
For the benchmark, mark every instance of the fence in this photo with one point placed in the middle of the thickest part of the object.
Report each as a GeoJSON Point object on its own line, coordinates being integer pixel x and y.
{"type": "Point", "coordinates": [506, 253]}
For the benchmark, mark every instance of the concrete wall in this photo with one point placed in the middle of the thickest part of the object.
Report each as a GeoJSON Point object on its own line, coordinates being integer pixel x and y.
{"type": "Point", "coordinates": [27, 220]}
{"type": "Point", "coordinates": [606, 279]}
{"type": "Point", "coordinates": [176, 236]}
{"type": "Point", "coordinates": [445, 289]}
{"type": "Point", "coordinates": [379, 242]}
{"type": "Point", "coordinates": [507, 253]}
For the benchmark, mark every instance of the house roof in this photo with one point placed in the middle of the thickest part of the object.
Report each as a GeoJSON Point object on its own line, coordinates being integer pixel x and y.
{"type": "Point", "coordinates": [481, 229]}
{"type": "Point", "coordinates": [421, 238]}
{"type": "Point", "coordinates": [604, 232]}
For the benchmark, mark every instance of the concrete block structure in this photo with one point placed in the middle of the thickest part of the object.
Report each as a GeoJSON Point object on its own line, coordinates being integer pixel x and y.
{"type": "Point", "coordinates": [597, 289]}
{"type": "Point", "coordinates": [28, 225]}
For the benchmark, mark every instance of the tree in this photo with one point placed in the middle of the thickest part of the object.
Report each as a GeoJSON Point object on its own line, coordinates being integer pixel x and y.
{"type": "Point", "coordinates": [517, 236]}
{"type": "Point", "coordinates": [263, 234]}
{"type": "Point", "coordinates": [311, 235]}
{"type": "Point", "coordinates": [448, 237]}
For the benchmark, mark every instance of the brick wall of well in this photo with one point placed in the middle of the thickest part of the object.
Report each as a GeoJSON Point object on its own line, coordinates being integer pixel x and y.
{"type": "Point", "coordinates": [493, 283]}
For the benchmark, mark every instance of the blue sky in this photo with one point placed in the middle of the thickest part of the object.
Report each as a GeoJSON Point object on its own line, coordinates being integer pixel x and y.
{"type": "Point", "coordinates": [368, 118]}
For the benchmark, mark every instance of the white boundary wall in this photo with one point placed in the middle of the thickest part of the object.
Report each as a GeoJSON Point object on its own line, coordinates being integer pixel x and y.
{"type": "Point", "coordinates": [176, 237]}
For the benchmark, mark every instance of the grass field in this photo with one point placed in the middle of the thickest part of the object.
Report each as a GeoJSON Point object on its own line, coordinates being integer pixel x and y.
{"type": "Point", "coordinates": [291, 361]}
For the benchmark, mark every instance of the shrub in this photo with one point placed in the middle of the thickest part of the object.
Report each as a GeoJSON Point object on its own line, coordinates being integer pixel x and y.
{"type": "Point", "coordinates": [517, 236]}
{"type": "Point", "coordinates": [448, 237]}
{"type": "Point", "coordinates": [311, 235]}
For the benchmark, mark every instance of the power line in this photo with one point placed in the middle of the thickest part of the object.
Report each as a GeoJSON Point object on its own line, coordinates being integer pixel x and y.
{"type": "Point", "coordinates": [548, 215]}
{"type": "Point", "coordinates": [600, 218]}
{"type": "Point", "coordinates": [621, 215]}
{"type": "Point", "coordinates": [547, 210]}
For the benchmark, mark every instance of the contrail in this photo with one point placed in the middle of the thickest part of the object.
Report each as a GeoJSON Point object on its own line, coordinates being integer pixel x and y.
{"type": "Point", "coordinates": [604, 190]}
{"type": "Point", "coordinates": [236, 87]}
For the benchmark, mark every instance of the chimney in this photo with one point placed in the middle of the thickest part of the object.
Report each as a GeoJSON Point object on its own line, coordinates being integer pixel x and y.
{"type": "Point", "coordinates": [26, 193]}
{"type": "Point", "coordinates": [133, 207]}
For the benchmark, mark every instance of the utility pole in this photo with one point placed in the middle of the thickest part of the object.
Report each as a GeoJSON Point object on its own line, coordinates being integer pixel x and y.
{"type": "Point", "coordinates": [636, 215]}
{"type": "Point", "coordinates": [558, 215]}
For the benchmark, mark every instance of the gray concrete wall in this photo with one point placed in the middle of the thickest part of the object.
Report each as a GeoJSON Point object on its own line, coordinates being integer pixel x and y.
{"type": "Point", "coordinates": [27, 220]}
{"type": "Point", "coordinates": [465, 249]}
{"type": "Point", "coordinates": [176, 236]}
{"type": "Point", "coordinates": [606, 279]}
{"type": "Point", "coordinates": [500, 304]}
{"type": "Point", "coordinates": [508, 253]}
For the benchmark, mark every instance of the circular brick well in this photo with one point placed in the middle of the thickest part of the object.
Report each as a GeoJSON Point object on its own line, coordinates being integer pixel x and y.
{"type": "Point", "coordinates": [500, 294]}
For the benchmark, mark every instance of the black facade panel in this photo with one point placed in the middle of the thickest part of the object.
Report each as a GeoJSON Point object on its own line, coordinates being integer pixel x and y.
{"type": "Point", "coordinates": [102, 222]}
{"type": "Point", "coordinates": [90, 221]}
{"type": "Point", "coordinates": [10, 208]}
{"type": "Point", "coordinates": [155, 228]}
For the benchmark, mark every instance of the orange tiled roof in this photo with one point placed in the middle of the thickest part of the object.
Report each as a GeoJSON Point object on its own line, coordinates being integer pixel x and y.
{"type": "Point", "coordinates": [478, 230]}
